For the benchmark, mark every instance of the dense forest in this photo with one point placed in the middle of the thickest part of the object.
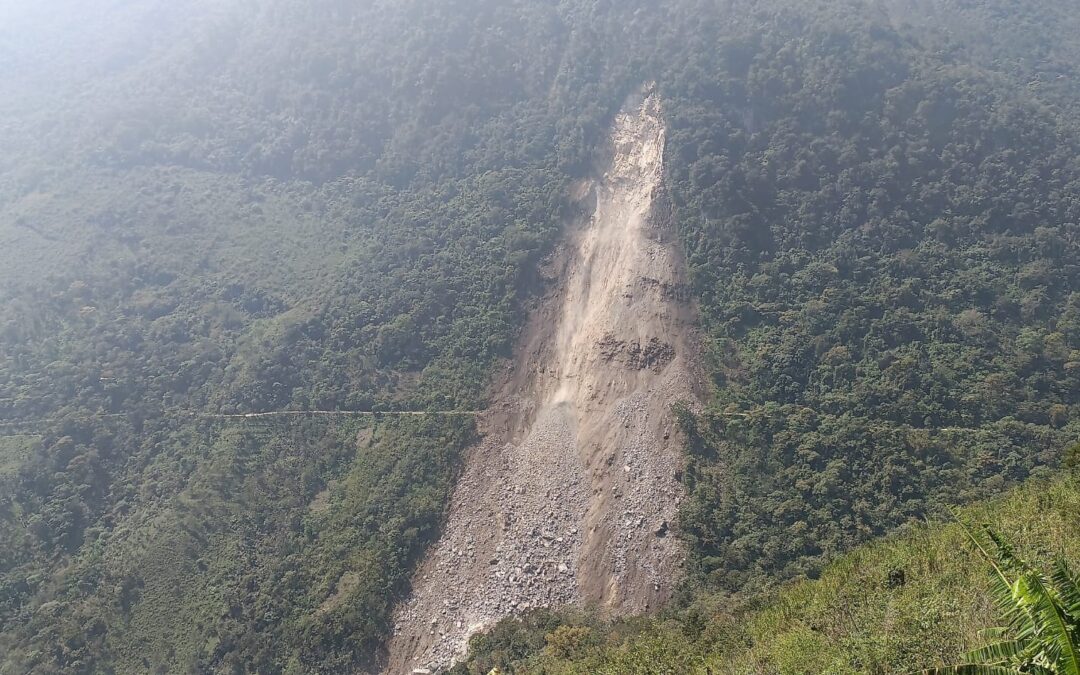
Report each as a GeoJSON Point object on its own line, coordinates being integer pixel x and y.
{"type": "Point", "coordinates": [274, 205]}
{"type": "Point", "coordinates": [884, 247]}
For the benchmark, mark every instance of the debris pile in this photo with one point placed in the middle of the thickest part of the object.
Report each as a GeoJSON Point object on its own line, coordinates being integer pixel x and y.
{"type": "Point", "coordinates": [571, 496]}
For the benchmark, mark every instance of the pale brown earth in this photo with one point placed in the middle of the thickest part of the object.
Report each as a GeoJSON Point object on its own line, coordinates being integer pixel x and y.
{"type": "Point", "coordinates": [572, 496]}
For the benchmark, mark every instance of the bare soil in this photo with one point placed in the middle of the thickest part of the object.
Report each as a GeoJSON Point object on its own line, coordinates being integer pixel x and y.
{"type": "Point", "coordinates": [572, 496]}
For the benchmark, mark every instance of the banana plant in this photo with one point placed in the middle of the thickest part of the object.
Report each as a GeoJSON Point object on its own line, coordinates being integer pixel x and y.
{"type": "Point", "coordinates": [1041, 635]}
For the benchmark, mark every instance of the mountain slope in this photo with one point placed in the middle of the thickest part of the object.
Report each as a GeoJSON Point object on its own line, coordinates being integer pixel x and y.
{"type": "Point", "coordinates": [278, 205]}
{"type": "Point", "coordinates": [885, 330]}
{"type": "Point", "coordinates": [167, 259]}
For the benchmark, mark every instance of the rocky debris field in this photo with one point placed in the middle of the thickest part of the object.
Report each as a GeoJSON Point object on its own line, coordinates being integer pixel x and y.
{"type": "Point", "coordinates": [512, 543]}
{"type": "Point", "coordinates": [572, 495]}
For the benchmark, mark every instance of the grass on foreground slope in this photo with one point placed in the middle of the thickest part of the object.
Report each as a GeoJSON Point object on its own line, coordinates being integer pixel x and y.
{"type": "Point", "coordinates": [913, 601]}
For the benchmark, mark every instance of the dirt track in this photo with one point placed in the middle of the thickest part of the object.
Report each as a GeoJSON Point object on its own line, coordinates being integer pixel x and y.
{"type": "Point", "coordinates": [573, 493]}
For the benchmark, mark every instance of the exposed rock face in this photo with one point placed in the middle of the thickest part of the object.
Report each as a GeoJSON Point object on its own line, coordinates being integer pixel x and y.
{"type": "Point", "coordinates": [570, 497]}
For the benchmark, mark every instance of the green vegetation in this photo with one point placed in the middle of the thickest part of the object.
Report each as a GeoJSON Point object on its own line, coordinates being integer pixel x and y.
{"type": "Point", "coordinates": [279, 205]}
{"type": "Point", "coordinates": [893, 324]}
{"type": "Point", "coordinates": [1043, 616]}
{"type": "Point", "coordinates": [917, 600]}
{"type": "Point", "coordinates": [356, 226]}
{"type": "Point", "coordinates": [14, 450]}
{"type": "Point", "coordinates": [247, 555]}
